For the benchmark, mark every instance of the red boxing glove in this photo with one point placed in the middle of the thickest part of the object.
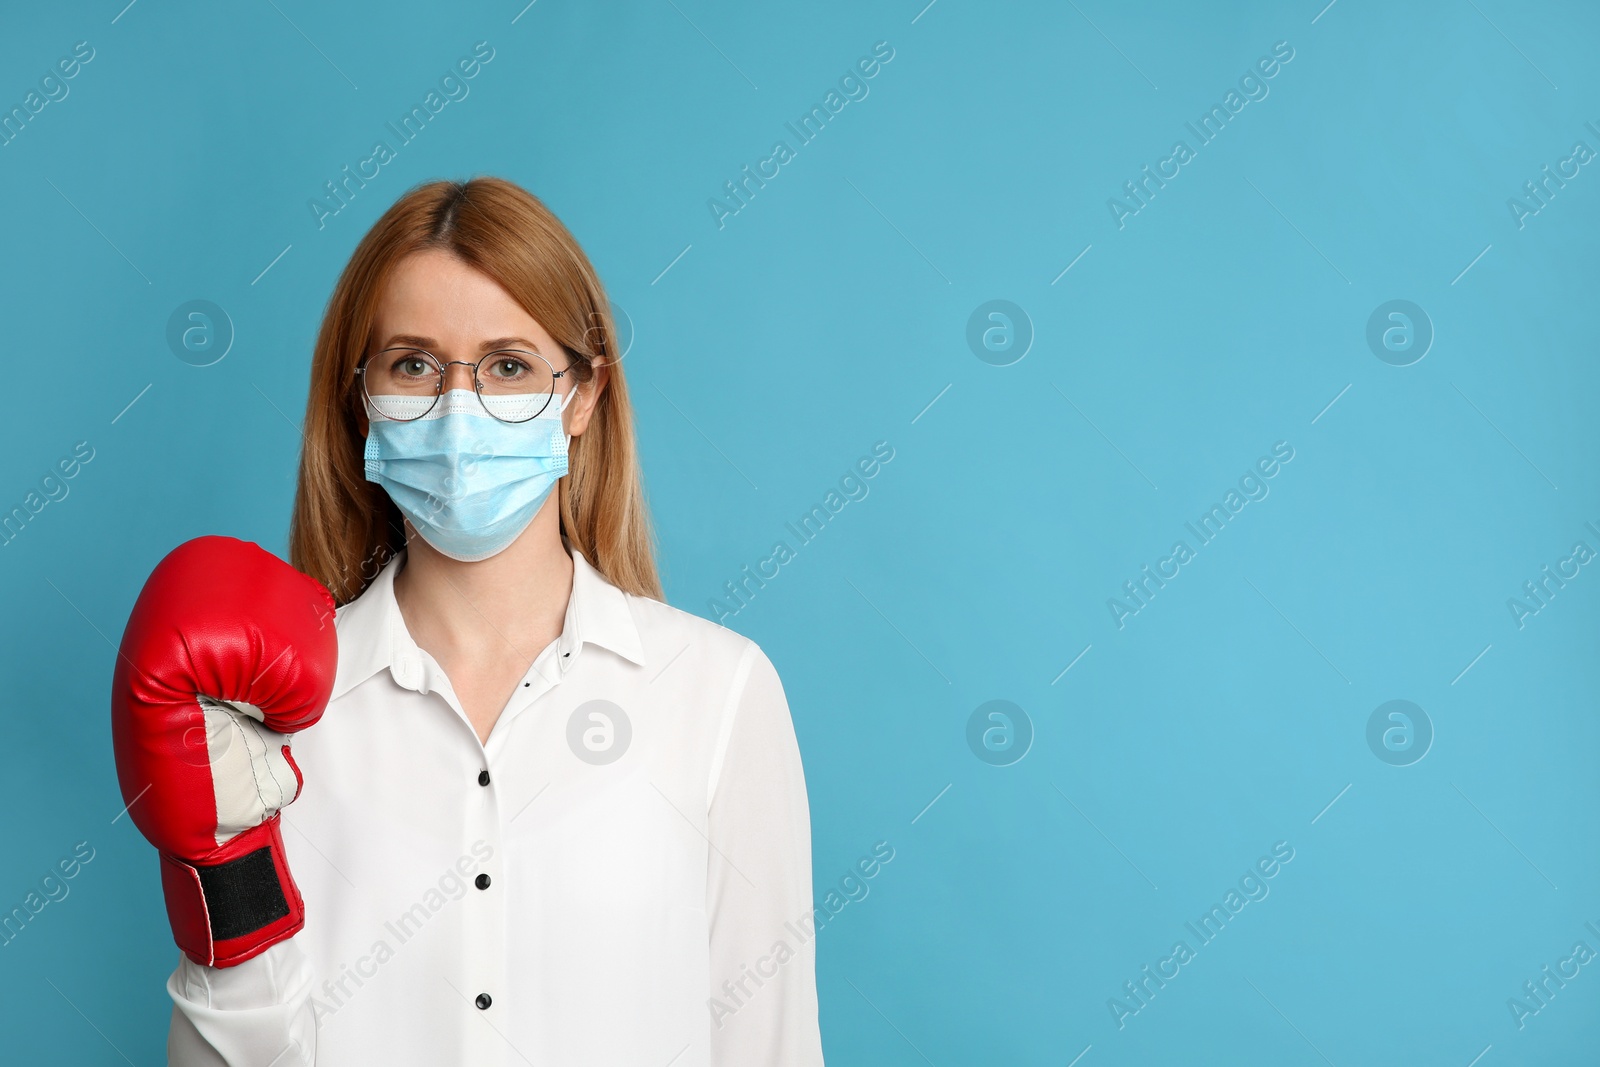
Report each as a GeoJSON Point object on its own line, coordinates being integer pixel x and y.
{"type": "Point", "coordinates": [227, 650]}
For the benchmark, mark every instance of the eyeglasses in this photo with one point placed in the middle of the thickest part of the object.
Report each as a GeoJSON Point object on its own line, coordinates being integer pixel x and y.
{"type": "Point", "coordinates": [404, 384]}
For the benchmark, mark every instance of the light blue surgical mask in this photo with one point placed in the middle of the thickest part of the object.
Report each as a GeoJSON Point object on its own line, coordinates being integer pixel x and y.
{"type": "Point", "coordinates": [468, 482]}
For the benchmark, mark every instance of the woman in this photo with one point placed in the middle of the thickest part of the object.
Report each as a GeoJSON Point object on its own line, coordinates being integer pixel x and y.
{"type": "Point", "coordinates": [545, 817]}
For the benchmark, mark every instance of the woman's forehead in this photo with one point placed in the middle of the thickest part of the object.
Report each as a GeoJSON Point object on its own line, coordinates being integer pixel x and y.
{"type": "Point", "coordinates": [435, 296]}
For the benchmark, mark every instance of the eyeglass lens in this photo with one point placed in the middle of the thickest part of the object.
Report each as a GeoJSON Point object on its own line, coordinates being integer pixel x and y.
{"type": "Point", "coordinates": [400, 383]}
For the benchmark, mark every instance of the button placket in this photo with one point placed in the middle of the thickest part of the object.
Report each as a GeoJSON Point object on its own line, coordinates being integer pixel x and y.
{"type": "Point", "coordinates": [536, 683]}
{"type": "Point", "coordinates": [484, 920]}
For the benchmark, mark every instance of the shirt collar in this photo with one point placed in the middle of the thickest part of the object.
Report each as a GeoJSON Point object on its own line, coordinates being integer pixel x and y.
{"type": "Point", "coordinates": [373, 636]}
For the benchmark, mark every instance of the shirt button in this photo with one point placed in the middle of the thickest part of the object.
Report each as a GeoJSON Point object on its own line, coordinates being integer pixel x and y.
{"type": "Point", "coordinates": [484, 1001]}
{"type": "Point", "coordinates": [482, 881]}
{"type": "Point", "coordinates": [483, 777]}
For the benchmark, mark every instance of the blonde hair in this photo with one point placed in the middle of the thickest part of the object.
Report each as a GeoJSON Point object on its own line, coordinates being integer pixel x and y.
{"type": "Point", "coordinates": [345, 528]}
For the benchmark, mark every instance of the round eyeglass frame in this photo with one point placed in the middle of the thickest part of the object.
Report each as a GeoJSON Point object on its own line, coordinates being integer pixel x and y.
{"type": "Point", "coordinates": [477, 383]}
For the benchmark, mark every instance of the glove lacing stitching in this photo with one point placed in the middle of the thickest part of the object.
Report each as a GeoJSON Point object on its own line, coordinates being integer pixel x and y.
{"type": "Point", "coordinates": [239, 725]}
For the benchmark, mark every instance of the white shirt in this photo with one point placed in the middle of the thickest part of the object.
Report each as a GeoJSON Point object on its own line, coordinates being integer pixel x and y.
{"type": "Point", "coordinates": [648, 911]}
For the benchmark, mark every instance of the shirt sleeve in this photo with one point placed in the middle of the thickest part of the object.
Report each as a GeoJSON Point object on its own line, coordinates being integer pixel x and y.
{"type": "Point", "coordinates": [256, 1014]}
{"type": "Point", "coordinates": [763, 996]}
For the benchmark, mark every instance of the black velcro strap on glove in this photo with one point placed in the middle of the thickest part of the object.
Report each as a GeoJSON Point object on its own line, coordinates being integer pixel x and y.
{"type": "Point", "coordinates": [242, 895]}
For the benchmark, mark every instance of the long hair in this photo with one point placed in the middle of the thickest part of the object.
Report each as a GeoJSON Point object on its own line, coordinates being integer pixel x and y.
{"type": "Point", "coordinates": [345, 528]}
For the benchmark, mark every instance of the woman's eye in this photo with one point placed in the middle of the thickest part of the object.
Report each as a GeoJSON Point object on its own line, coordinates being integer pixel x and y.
{"type": "Point", "coordinates": [507, 368]}
{"type": "Point", "coordinates": [414, 368]}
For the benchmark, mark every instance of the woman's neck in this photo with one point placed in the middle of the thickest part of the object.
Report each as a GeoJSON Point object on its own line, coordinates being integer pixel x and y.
{"type": "Point", "coordinates": [512, 604]}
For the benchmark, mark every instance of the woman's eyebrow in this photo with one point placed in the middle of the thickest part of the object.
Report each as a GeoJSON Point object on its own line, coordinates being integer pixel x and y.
{"type": "Point", "coordinates": [487, 346]}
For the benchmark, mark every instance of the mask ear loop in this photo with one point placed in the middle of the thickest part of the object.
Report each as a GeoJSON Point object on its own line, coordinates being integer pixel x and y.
{"type": "Point", "coordinates": [568, 398]}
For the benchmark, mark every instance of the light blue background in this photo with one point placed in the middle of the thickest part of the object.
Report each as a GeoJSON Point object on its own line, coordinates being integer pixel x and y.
{"type": "Point", "coordinates": [824, 317]}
